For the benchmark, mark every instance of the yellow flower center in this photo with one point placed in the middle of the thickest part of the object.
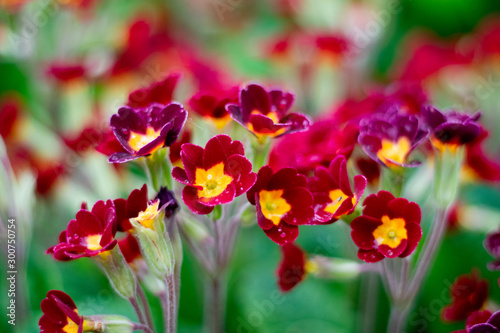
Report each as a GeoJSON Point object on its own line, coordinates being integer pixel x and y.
{"type": "Point", "coordinates": [212, 181]}
{"type": "Point", "coordinates": [273, 205]}
{"type": "Point", "coordinates": [262, 136]}
{"type": "Point", "coordinates": [391, 232]}
{"type": "Point", "coordinates": [441, 146]}
{"type": "Point", "coordinates": [139, 140]}
{"type": "Point", "coordinates": [71, 326]}
{"type": "Point", "coordinates": [394, 151]}
{"type": "Point", "coordinates": [337, 197]}
{"type": "Point", "coordinates": [93, 242]}
{"type": "Point", "coordinates": [147, 217]}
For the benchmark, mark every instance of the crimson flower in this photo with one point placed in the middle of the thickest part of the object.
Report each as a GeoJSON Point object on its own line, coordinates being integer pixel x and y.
{"type": "Point", "coordinates": [66, 72]}
{"type": "Point", "coordinates": [60, 314]}
{"type": "Point", "coordinates": [175, 149]}
{"type": "Point", "coordinates": [468, 294]}
{"type": "Point", "coordinates": [159, 92]}
{"type": "Point", "coordinates": [283, 203]}
{"type": "Point", "coordinates": [389, 137]}
{"type": "Point", "coordinates": [482, 322]}
{"type": "Point", "coordinates": [389, 227]}
{"type": "Point", "coordinates": [332, 192]}
{"type": "Point", "coordinates": [317, 146]}
{"type": "Point", "coordinates": [212, 105]}
{"type": "Point", "coordinates": [480, 165]}
{"type": "Point", "coordinates": [292, 267]}
{"type": "Point", "coordinates": [143, 131]}
{"type": "Point", "coordinates": [214, 175]}
{"type": "Point", "coordinates": [89, 234]}
{"type": "Point", "coordinates": [130, 248]}
{"type": "Point", "coordinates": [451, 129]}
{"type": "Point", "coordinates": [264, 113]}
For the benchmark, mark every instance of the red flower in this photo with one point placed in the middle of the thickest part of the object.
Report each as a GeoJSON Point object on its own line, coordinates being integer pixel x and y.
{"type": "Point", "coordinates": [65, 72]}
{"type": "Point", "coordinates": [292, 268]}
{"type": "Point", "coordinates": [212, 105]}
{"type": "Point", "coordinates": [60, 314]}
{"type": "Point", "coordinates": [332, 192]}
{"type": "Point", "coordinates": [88, 138]}
{"type": "Point", "coordinates": [317, 146]}
{"type": "Point", "coordinates": [468, 294]}
{"type": "Point", "coordinates": [264, 113]}
{"type": "Point", "coordinates": [159, 92]}
{"type": "Point", "coordinates": [130, 248]}
{"type": "Point", "coordinates": [389, 227]}
{"type": "Point", "coordinates": [214, 175]}
{"type": "Point", "coordinates": [283, 203]}
{"type": "Point", "coordinates": [89, 234]}
{"type": "Point", "coordinates": [370, 169]}
{"type": "Point", "coordinates": [129, 208]}
{"type": "Point", "coordinates": [175, 149]}
{"type": "Point", "coordinates": [110, 144]}
{"type": "Point", "coordinates": [478, 163]}
{"type": "Point", "coordinates": [143, 131]}
{"type": "Point", "coordinates": [10, 109]}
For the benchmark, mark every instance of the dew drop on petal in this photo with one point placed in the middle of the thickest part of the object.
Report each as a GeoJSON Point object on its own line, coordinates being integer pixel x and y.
{"type": "Point", "coordinates": [282, 235]}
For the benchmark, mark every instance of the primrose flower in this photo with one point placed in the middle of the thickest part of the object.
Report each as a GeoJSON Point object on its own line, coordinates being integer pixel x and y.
{"type": "Point", "coordinates": [214, 175]}
{"type": "Point", "coordinates": [159, 92]}
{"type": "Point", "coordinates": [317, 146]}
{"type": "Point", "coordinates": [332, 192]}
{"type": "Point", "coordinates": [143, 131]}
{"type": "Point", "coordinates": [492, 245]}
{"type": "Point", "coordinates": [90, 234]}
{"type": "Point", "coordinates": [482, 321]}
{"type": "Point", "coordinates": [292, 267]}
{"type": "Point", "coordinates": [389, 227]}
{"type": "Point", "coordinates": [212, 105]}
{"type": "Point", "coordinates": [452, 129]}
{"type": "Point", "coordinates": [264, 113]}
{"type": "Point", "coordinates": [477, 164]}
{"type": "Point", "coordinates": [389, 137]}
{"type": "Point", "coordinates": [468, 293]}
{"type": "Point", "coordinates": [283, 203]}
{"type": "Point", "coordinates": [60, 315]}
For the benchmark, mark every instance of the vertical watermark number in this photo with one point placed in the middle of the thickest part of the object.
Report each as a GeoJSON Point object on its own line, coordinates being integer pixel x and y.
{"type": "Point", "coordinates": [11, 271]}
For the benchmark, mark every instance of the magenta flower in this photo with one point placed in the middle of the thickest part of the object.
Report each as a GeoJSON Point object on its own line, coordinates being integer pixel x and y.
{"type": "Point", "coordinates": [264, 113]}
{"type": "Point", "coordinates": [143, 131]}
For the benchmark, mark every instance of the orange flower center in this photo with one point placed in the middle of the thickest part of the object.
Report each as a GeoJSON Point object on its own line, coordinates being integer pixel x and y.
{"type": "Point", "coordinates": [337, 198]}
{"type": "Point", "coordinates": [394, 151]}
{"type": "Point", "coordinates": [139, 140]}
{"type": "Point", "coordinates": [441, 146]}
{"type": "Point", "coordinates": [71, 326]}
{"type": "Point", "coordinates": [262, 136]}
{"type": "Point", "coordinates": [391, 232]}
{"type": "Point", "coordinates": [212, 181]}
{"type": "Point", "coordinates": [273, 206]}
{"type": "Point", "coordinates": [147, 217]}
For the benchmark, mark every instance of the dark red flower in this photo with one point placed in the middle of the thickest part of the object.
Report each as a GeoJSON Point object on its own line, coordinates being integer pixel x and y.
{"type": "Point", "coordinates": [212, 105]}
{"type": "Point", "coordinates": [492, 245]}
{"type": "Point", "coordinates": [332, 192]}
{"type": "Point", "coordinates": [370, 169]}
{"type": "Point", "coordinates": [143, 131]}
{"type": "Point", "coordinates": [451, 129]}
{"type": "Point", "coordinates": [175, 149]}
{"type": "Point", "coordinates": [388, 228]}
{"type": "Point", "coordinates": [283, 203]}
{"type": "Point", "coordinates": [317, 146]}
{"type": "Point", "coordinates": [159, 92]}
{"type": "Point", "coordinates": [88, 138]}
{"type": "Point", "coordinates": [110, 144]}
{"type": "Point", "coordinates": [130, 248]}
{"type": "Point", "coordinates": [264, 113]}
{"type": "Point", "coordinates": [89, 234]}
{"type": "Point", "coordinates": [292, 268]}
{"type": "Point", "coordinates": [60, 314]}
{"type": "Point", "coordinates": [468, 294]}
{"type": "Point", "coordinates": [214, 175]}
{"type": "Point", "coordinates": [482, 322]}
{"type": "Point", "coordinates": [47, 176]}
{"type": "Point", "coordinates": [388, 137]}
{"type": "Point", "coordinates": [126, 209]}
{"type": "Point", "coordinates": [476, 161]}
{"type": "Point", "coordinates": [9, 115]}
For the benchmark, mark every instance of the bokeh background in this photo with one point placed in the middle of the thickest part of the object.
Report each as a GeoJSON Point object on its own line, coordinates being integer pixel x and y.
{"type": "Point", "coordinates": [113, 47]}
